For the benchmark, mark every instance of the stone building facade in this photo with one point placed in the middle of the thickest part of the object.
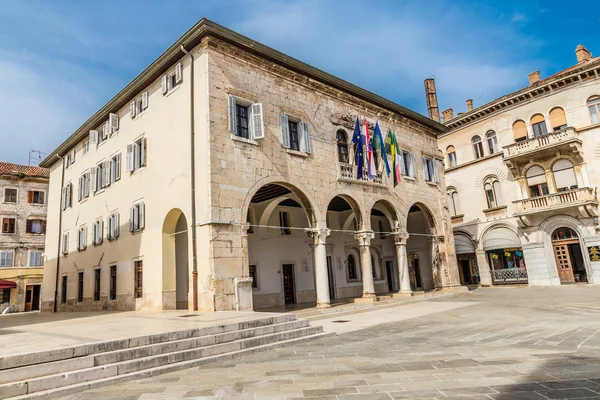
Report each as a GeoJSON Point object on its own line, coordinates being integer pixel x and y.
{"type": "Point", "coordinates": [23, 202]}
{"type": "Point", "coordinates": [522, 173]}
{"type": "Point", "coordinates": [223, 178]}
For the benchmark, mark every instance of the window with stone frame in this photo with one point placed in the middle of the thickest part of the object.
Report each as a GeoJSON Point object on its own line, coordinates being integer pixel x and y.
{"type": "Point", "coordinates": [6, 258]}
{"type": "Point", "coordinates": [245, 118]}
{"type": "Point", "coordinates": [35, 197]}
{"type": "Point", "coordinates": [10, 195]}
{"type": "Point", "coordinates": [139, 279]}
{"type": "Point", "coordinates": [477, 147]}
{"type": "Point", "coordinates": [342, 146]}
{"type": "Point", "coordinates": [35, 258]}
{"type": "Point", "coordinates": [594, 108]}
{"type": "Point", "coordinates": [352, 268]}
{"type": "Point", "coordinates": [37, 226]}
{"type": "Point", "coordinates": [453, 202]}
{"type": "Point", "coordinates": [538, 124]}
{"type": "Point", "coordinates": [9, 225]}
{"type": "Point", "coordinates": [451, 154]}
{"type": "Point", "coordinates": [493, 192]}
{"type": "Point", "coordinates": [492, 140]}
{"type": "Point", "coordinates": [113, 283]}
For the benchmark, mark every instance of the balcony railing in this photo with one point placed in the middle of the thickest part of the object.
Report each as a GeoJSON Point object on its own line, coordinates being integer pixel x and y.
{"type": "Point", "coordinates": [541, 142]}
{"type": "Point", "coordinates": [348, 172]}
{"type": "Point", "coordinates": [567, 198]}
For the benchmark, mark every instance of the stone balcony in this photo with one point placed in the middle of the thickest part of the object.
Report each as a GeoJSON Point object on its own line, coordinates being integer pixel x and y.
{"type": "Point", "coordinates": [582, 198]}
{"type": "Point", "coordinates": [348, 172]}
{"type": "Point", "coordinates": [563, 141]}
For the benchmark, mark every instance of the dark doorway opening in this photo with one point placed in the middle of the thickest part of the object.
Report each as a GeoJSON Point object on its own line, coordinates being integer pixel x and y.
{"type": "Point", "coordinates": [289, 289]}
{"type": "Point", "coordinates": [331, 278]}
{"type": "Point", "coordinates": [417, 269]}
{"type": "Point", "coordinates": [389, 272]}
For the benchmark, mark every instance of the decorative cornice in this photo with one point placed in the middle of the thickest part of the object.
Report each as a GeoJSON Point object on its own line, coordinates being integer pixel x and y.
{"type": "Point", "coordinates": [532, 245]}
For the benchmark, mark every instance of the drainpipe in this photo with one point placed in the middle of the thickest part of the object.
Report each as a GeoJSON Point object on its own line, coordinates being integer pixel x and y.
{"type": "Point", "coordinates": [60, 210]}
{"type": "Point", "coordinates": [193, 183]}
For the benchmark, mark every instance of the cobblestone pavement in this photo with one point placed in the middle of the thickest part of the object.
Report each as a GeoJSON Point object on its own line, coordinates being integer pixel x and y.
{"type": "Point", "coordinates": [511, 344]}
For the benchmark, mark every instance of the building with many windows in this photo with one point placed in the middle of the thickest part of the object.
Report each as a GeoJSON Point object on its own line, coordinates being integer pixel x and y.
{"type": "Point", "coordinates": [23, 202]}
{"type": "Point", "coordinates": [224, 177]}
{"type": "Point", "coordinates": [522, 174]}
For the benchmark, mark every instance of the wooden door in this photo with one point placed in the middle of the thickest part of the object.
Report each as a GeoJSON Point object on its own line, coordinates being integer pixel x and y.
{"type": "Point", "coordinates": [289, 290]}
{"type": "Point", "coordinates": [28, 297]}
{"type": "Point", "coordinates": [563, 262]}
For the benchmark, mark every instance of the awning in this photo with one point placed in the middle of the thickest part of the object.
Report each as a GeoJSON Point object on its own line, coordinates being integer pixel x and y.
{"type": "Point", "coordinates": [4, 284]}
{"type": "Point", "coordinates": [462, 244]}
{"type": "Point", "coordinates": [500, 238]}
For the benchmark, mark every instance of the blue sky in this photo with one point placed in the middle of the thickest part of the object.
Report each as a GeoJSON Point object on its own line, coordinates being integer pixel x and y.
{"type": "Point", "coordinates": [62, 60]}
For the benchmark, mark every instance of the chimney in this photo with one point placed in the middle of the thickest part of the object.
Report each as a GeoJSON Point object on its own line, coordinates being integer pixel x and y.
{"type": "Point", "coordinates": [534, 77]}
{"type": "Point", "coordinates": [448, 114]}
{"type": "Point", "coordinates": [470, 105]}
{"type": "Point", "coordinates": [432, 103]}
{"type": "Point", "coordinates": [582, 54]}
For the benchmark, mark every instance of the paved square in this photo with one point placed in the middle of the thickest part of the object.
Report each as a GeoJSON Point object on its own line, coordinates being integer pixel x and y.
{"type": "Point", "coordinates": [507, 344]}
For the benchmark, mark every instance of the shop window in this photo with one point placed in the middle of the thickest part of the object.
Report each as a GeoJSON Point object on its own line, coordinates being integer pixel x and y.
{"type": "Point", "coordinates": [5, 296]}
{"type": "Point", "coordinates": [477, 147]}
{"type": "Point", "coordinates": [536, 181]}
{"type": "Point", "coordinates": [558, 120]}
{"type": "Point", "coordinates": [564, 175]}
{"type": "Point", "coordinates": [538, 124]}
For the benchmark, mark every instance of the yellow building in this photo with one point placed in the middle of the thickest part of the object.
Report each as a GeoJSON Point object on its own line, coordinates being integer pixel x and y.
{"type": "Point", "coordinates": [23, 191]}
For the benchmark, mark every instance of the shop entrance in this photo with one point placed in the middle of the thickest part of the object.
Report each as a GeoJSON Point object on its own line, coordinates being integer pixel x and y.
{"type": "Point", "coordinates": [465, 272]}
{"type": "Point", "coordinates": [32, 297]}
{"type": "Point", "coordinates": [569, 259]}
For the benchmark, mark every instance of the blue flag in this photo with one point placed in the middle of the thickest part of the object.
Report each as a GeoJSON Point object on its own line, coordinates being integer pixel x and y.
{"type": "Point", "coordinates": [379, 145]}
{"type": "Point", "coordinates": [358, 140]}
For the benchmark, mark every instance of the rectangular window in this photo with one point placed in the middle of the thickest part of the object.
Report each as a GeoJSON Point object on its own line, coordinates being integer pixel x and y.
{"type": "Point", "coordinates": [245, 118]}
{"type": "Point", "coordinates": [84, 185]}
{"type": "Point", "coordinates": [430, 170]}
{"type": "Point", "coordinates": [241, 115]}
{"type": "Point", "coordinates": [98, 233]}
{"type": "Point", "coordinates": [139, 289]}
{"type": "Point", "coordinates": [102, 134]}
{"type": "Point", "coordinates": [113, 282]}
{"type": "Point", "coordinates": [67, 196]}
{"type": "Point", "coordinates": [35, 258]}
{"type": "Point", "coordinates": [65, 243]}
{"type": "Point", "coordinates": [80, 287]}
{"type": "Point", "coordinates": [82, 238]}
{"type": "Point", "coordinates": [86, 147]}
{"type": "Point", "coordinates": [8, 225]}
{"type": "Point", "coordinates": [114, 169]}
{"type": "Point", "coordinates": [539, 129]}
{"type": "Point", "coordinates": [136, 155]}
{"type": "Point", "coordinates": [70, 159]}
{"type": "Point", "coordinates": [284, 223]}
{"type": "Point", "coordinates": [97, 284]}
{"type": "Point", "coordinates": [63, 297]}
{"type": "Point", "coordinates": [100, 182]}
{"type": "Point", "coordinates": [452, 159]}
{"type": "Point", "coordinates": [10, 195]}
{"type": "Point", "coordinates": [407, 164]}
{"type": "Point", "coordinates": [113, 226]}
{"type": "Point", "coordinates": [294, 141]}
{"type": "Point", "coordinates": [172, 79]}
{"type": "Point", "coordinates": [254, 276]}
{"type": "Point", "coordinates": [538, 190]}
{"type": "Point", "coordinates": [35, 226]}
{"type": "Point", "coordinates": [6, 258]}
{"type": "Point", "coordinates": [5, 296]}
{"type": "Point", "coordinates": [35, 197]}
{"type": "Point", "coordinates": [137, 217]}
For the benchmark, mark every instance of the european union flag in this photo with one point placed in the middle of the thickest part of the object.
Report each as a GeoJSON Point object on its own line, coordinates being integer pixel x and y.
{"type": "Point", "coordinates": [358, 140]}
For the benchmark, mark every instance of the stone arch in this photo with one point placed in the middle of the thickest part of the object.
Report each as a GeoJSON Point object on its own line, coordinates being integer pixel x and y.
{"type": "Point", "coordinates": [491, 228]}
{"type": "Point", "coordinates": [390, 212]}
{"type": "Point", "coordinates": [455, 184]}
{"type": "Point", "coordinates": [429, 215]}
{"type": "Point", "coordinates": [499, 173]}
{"type": "Point", "coordinates": [307, 202]}
{"type": "Point", "coordinates": [175, 261]}
{"type": "Point", "coordinates": [354, 205]}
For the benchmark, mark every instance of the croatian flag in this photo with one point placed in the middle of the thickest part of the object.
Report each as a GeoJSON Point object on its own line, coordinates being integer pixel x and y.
{"type": "Point", "coordinates": [371, 170]}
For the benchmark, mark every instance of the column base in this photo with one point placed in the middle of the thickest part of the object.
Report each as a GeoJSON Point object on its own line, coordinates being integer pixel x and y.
{"type": "Point", "coordinates": [366, 299]}
{"type": "Point", "coordinates": [401, 295]}
{"type": "Point", "coordinates": [324, 305]}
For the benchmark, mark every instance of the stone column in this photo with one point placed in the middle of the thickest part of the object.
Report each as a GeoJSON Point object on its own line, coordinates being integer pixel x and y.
{"type": "Point", "coordinates": [550, 181]}
{"type": "Point", "coordinates": [364, 242]}
{"type": "Point", "coordinates": [485, 275]}
{"type": "Point", "coordinates": [400, 239]}
{"type": "Point", "coordinates": [319, 236]}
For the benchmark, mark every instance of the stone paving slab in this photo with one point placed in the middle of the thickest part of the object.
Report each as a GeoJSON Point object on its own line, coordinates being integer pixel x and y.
{"type": "Point", "coordinates": [508, 344]}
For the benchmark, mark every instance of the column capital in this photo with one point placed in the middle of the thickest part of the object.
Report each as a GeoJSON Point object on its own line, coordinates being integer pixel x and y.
{"type": "Point", "coordinates": [400, 238]}
{"type": "Point", "coordinates": [364, 237]}
{"type": "Point", "coordinates": [319, 235]}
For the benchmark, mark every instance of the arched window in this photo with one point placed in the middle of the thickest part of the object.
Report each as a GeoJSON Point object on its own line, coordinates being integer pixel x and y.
{"type": "Point", "coordinates": [352, 275]}
{"type": "Point", "coordinates": [594, 107]}
{"type": "Point", "coordinates": [453, 203]}
{"type": "Point", "coordinates": [477, 147]}
{"type": "Point", "coordinates": [538, 123]}
{"type": "Point", "coordinates": [492, 140]}
{"type": "Point", "coordinates": [519, 131]}
{"type": "Point", "coordinates": [564, 175]}
{"type": "Point", "coordinates": [493, 193]}
{"type": "Point", "coordinates": [564, 234]}
{"type": "Point", "coordinates": [536, 180]}
{"type": "Point", "coordinates": [342, 146]}
{"type": "Point", "coordinates": [558, 119]}
{"type": "Point", "coordinates": [451, 153]}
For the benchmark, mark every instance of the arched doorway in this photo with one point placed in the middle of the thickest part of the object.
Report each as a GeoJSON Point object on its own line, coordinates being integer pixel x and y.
{"type": "Point", "coordinates": [504, 254]}
{"type": "Point", "coordinates": [280, 255]}
{"type": "Point", "coordinates": [175, 276]}
{"type": "Point", "coordinates": [421, 229]}
{"type": "Point", "coordinates": [467, 259]}
{"type": "Point", "coordinates": [384, 223]}
{"type": "Point", "coordinates": [569, 258]}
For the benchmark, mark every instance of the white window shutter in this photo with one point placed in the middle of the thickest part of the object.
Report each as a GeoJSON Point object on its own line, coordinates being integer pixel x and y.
{"type": "Point", "coordinates": [118, 167]}
{"type": "Point", "coordinates": [425, 169]}
{"type": "Point", "coordinates": [285, 131]}
{"type": "Point", "coordinates": [87, 184]}
{"type": "Point", "coordinates": [413, 165]}
{"type": "Point", "coordinates": [129, 158]}
{"type": "Point", "coordinates": [132, 109]}
{"type": "Point", "coordinates": [232, 113]}
{"type": "Point", "coordinates": [305, 138]}
{"type": "Point", "coordinates": [178, 73]}
{"type": "Point", "coordinates": [163, 85]}
{"type": "Point", "coordinates": [63, 198]}
{"type": "Point", "coordinates": [142, 215]}
{"type": "Point", "coordinates": [93, 137]}
{"type": "Point", "coordinates": [65, 243]}
{"type": "Point", "coordinates": [113, 122]}
{"type": "Point", "coordinates": [116, 223]}
{"type": "Point", "coordinates": [93, 180]}
{"type": "Point", "coordinates": [144, 100]}
{"type": "Point", "coordinates": [403, 170]}
{"type": "Point", "coordinates": [143, 153]}
{"type": "Point", "coordinates": [70, 195]}
{"type": "Point", "coordinates": [131, 218]}
{"type": "Point", "coordinates": [73, 157]}
{"type": "Point", "coordinates": [436, 173]}
{"type": "Point", "coordinates": [100, 230]}
{"type": "Point", "coordinates": [258, 129]}
{"type": "Point", "coordinates": [80, 188]}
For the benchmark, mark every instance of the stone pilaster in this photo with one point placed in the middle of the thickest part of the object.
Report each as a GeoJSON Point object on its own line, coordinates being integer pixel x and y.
{"type": "Point", "coordinates": [319, 236]}
{"type": "Point", "coordinates": [364, 243]}
{"type": "Point", "coordinates": [400, 239]}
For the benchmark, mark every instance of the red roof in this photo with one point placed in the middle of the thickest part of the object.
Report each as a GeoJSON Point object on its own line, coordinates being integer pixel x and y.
{"type": "Point", "coordinates": [15, 169]}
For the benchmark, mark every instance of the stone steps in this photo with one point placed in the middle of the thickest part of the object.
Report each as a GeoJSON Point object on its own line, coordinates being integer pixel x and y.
{"type": "Point", "coordinates": [102, 364]}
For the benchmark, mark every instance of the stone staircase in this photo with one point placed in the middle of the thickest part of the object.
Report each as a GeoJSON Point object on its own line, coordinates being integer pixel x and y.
{"type": "Point", "coordinates": [73, 369]}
